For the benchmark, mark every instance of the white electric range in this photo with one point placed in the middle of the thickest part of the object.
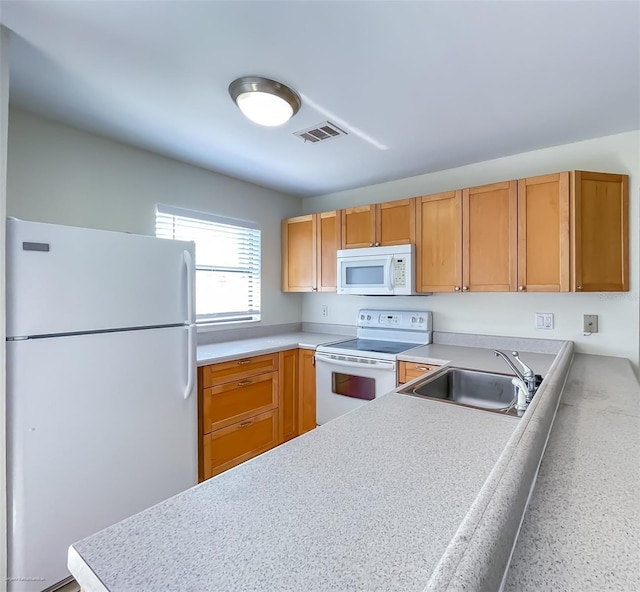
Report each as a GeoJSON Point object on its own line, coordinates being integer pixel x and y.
{"type": "Point", "coordinates": [351, 373]}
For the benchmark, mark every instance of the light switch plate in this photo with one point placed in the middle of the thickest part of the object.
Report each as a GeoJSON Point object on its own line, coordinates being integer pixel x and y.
{"type": "Point", "coordinates": [590, 324]}
{"type": "Point", "coordinates": [544, 320]}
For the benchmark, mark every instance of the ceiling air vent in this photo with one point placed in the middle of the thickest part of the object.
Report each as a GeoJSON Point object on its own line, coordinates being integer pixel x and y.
{"type": "Point", "coordinates": [321, 132]}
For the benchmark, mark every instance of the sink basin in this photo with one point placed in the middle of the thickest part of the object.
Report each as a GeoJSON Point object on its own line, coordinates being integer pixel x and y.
{"type": "Point", "coordinates": [472, 388]}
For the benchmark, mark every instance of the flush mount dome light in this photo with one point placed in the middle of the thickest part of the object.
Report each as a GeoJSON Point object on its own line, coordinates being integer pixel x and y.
{"type": "Point", "coordinates": [264, 101]}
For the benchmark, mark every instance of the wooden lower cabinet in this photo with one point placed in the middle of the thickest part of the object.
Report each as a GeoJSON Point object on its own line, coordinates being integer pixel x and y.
{"type": "Point", "coordinates": [306, 391]}
{"type": "Point", "coordinates": [407, 371]}
{"type": "Point", "coordinates": [288, 406]}
{"type": "Point", "coordinates": [251, 405]}
{"type": "Point", "coordinates": [229, 446]}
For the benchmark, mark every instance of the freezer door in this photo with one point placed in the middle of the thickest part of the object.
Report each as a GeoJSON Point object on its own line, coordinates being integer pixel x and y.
{"type": "Point", "coordinates": [98, 429]}
{"type": "Point", "coordinates": [63, 279]}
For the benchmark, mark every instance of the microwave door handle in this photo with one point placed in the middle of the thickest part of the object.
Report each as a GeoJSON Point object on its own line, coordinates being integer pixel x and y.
{"type": "Point", "coordinates": [390, 274]}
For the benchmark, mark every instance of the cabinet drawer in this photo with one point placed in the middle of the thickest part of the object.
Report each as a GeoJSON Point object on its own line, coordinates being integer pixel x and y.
{"type": "Point", "coordinates": [410, 370]}
{"type": "Point", "coordinates": [230, 446]}
{"type": "Point", "coordinates": [238, 369]}
{"type": "Point", "coordinates": [229, 403]}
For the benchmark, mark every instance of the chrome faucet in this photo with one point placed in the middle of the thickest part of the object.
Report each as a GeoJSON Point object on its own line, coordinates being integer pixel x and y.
{"type": "Point", "coordinates": [525, 381]}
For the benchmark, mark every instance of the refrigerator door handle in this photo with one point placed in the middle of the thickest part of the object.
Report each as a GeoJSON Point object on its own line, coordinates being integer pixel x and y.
{"type": "Point", "coordinates": [191, 362]}
{"type": "Point", "coordinates": [188, 262]}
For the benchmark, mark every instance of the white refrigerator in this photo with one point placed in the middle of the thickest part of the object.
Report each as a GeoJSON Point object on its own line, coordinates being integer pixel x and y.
{"type": "Point", "coordinates": [101, 403]}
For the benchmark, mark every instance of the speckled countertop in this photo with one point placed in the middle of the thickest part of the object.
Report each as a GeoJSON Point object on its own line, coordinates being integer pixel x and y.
{"type": "Point", "coordinates": [231, 350]}
{"type": "Point", "coordinates": [410, 495]}
{"type": "Point", "coordinates": [367, 502]}
{"type": "Point", "coordinates": [582, 528]}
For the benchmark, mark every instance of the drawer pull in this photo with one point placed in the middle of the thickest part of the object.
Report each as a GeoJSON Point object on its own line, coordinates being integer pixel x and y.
{"type": "Point", "coordinates": [244, 362]}
{"type": "Point", "coordinates": [245, 424]}
{"type": "Point", "coordinates": [244, 382]}
{"type": "Point", "coordinates": [422, 368]}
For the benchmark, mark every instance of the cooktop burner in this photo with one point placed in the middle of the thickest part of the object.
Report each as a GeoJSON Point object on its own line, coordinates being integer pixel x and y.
{"type": "Point", "coordinates": [375, 345]}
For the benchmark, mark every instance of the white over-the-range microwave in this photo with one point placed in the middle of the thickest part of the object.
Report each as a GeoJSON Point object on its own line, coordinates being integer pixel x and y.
{"type": "Point", "coordinates": [377, 271]}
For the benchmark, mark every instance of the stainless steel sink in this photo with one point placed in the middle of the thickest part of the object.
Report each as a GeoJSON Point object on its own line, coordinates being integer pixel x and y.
{"type": "Point", "coordinates": [471, 388]}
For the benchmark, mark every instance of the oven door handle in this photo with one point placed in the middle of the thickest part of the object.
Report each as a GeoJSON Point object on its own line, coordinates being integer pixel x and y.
{"type": "Point", "coordinates": [377, 364]}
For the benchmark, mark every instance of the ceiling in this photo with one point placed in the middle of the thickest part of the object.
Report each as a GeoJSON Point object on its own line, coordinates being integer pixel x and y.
{"type": "Point", "coordinates": [419, 86]}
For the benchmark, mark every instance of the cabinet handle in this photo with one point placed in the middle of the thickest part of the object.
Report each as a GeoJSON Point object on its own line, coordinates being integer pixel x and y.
{"type": "Point", "coordinates": [371, 244]}
{"type": "Point", "coordinates": [422, 368]}
{"type": "Point", "coordinates": [456, 288]}
{"type": "Point", "coordinates": [522, 288]}
{"type": "Point", "coordinates": [244, 383]}
{"type": "Point", "coordinates": [244, 362]}
{"type": "Point", "coordinates": [377, 245]}
{"type": "Point", "coordinates": [314, 289]}
{"type": "Point", "coordinates": [579, 287]}
{"type": "Point", "coordinates": [245, 424]}
{"type": "Point", "coordinates": [465, 288]}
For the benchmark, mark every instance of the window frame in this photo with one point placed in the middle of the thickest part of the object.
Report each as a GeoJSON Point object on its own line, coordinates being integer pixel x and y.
{"type": "Point", "coordinates": [250, 232]}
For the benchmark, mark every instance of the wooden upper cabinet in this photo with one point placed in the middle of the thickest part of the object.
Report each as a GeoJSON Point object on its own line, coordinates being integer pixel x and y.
{"type": "Point", "coordinates": [358, 227]}
{"type": "Point", "coordinates": [327, 245]}
{"type": "Point", "coordinates": [379, 225]}
{"type": "Point", "coordinates": [395, 223]}
{"type": "Point", "coordinates": [600, 232]}
{"type": "Point", "coordinates": [543, 233]}
{"type": "Point", "coordinates": [309, 246]}
{"type": "Point", "coordinates": [439, 242]}
{"type": "Point", "coordinates": [489, 235]}
{"type": "Point", "coordinates": [299, 254]}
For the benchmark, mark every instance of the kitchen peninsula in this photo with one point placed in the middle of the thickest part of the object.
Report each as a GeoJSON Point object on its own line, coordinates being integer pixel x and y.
{"type": "Point", "coordinates": [397, 495]}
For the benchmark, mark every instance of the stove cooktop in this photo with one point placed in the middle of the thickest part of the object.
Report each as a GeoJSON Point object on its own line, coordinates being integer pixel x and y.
{"type": "Point", "coordinates": [374, 345]}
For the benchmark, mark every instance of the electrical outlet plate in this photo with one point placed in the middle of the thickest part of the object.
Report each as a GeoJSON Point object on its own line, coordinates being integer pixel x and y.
{"type": "Point", "coordinates": [590, 324]}
{"type": "Point", "coordinates": [325, 310]}
{"type": "Point", "coordinates": [544, 320]}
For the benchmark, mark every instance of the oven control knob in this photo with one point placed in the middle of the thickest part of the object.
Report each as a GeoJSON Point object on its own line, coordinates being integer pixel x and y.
{"type": "Point", "coordinates": [368, 317]}
{"type": "Point", "coordinates": [413, 319]}
{"type": "Point", "coordinates": [362, 317]}
{"type": "Point", "coordinates": [421, 320]}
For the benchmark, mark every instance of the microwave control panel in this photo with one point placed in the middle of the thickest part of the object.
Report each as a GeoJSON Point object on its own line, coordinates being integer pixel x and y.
{"type": "Point", "coordinates": [400, 272]}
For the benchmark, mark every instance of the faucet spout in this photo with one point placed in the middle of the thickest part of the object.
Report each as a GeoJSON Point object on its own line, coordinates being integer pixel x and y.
{"type": "Point", "coordinates": [526, 379]}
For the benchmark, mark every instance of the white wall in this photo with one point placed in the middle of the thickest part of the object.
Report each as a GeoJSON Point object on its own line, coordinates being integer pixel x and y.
{"type": "Point", "coordinates": [506, 313]}
{"type": "Point", "coordinates": [4, 116]}
{"type": "Point", "coordinates": [63, 175]}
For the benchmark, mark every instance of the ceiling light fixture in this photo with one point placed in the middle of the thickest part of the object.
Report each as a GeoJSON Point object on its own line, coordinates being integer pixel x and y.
{"type": "Point", "coordinates": [264, 101]}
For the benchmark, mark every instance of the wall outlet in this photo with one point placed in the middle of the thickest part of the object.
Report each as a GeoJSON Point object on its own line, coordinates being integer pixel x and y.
{"type": "Point", "coordinates": [325, 310]}
{"type": "Point", "coordinates": [590, 324]}
{"type": "Point", "coordinates": [544, 320]}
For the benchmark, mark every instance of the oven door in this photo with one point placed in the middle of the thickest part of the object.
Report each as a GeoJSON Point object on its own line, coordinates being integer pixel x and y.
{"type": "Point", "coordinates": [344, 383]}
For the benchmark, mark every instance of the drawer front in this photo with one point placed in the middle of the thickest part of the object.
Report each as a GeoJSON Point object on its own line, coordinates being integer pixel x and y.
{"type": "Point", "coordinates": [234, 401]}
{"type": "Point", "coordinates": [230, 446]}
{"type": "Point", "coordinates": [237, 369]}
{"type": "Point", "coordinates": [410, 370]}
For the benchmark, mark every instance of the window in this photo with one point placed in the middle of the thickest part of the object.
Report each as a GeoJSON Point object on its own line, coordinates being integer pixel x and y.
{"type": "Point", "coordinates": [227, 262]}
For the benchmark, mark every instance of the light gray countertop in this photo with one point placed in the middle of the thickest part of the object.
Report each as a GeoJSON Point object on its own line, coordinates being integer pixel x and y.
{"type": "Point", "coordinates": [410, 495]}
{"type": "Point", "coordinates": [231, 350]}
{"type": "Point", "coordinates": [582, 527]}
{"type": "Point", "coordinates": [366, 502]}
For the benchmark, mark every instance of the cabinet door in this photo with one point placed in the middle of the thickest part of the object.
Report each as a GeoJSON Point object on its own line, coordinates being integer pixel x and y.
{"type": "Point", "coordinates": [407, 371]}
{"type": "Point", "coordinates": [600, 206]}
{"type": "Point", "coordinates": [288, 405]}
{"type": "Point", "coordinates": [234, 401]}
{"type": "Point", "coordinates": [543, 233]}
{"type": "Point", "coordinates": [489, 232]}
{"type": "Point", "coordinates": [358, 227]}
{"type": "Point", "coordinates": [439, 242]}
{"type": "Point", "coordinates": [230, 446]}
{"type": "Point", "coordinates": [307, 391]}
{"type": "Point", "coordinates": [328, 225]}
{"type": "Point", "coordinates": [299, 254]}
{"type": "Point", "coordinates": [396, 223]}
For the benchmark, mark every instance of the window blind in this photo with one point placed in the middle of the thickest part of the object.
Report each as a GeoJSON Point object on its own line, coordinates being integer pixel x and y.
{"type": "Point", "coordinates": [227, 262]}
